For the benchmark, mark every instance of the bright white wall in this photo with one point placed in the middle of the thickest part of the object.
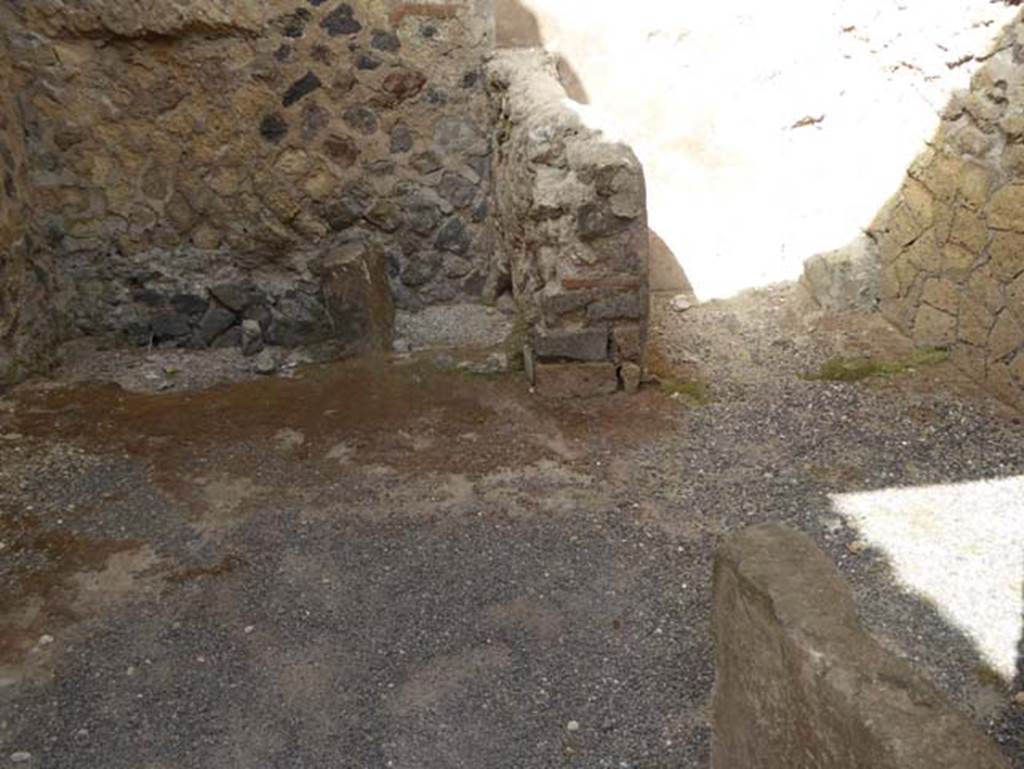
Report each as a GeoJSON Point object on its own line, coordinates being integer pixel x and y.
{"type": "Point", "coordinates": [706, 94]}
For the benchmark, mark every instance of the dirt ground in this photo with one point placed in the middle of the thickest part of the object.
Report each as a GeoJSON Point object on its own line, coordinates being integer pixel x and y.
{"type": "Point", "coordinates": [392, 562]}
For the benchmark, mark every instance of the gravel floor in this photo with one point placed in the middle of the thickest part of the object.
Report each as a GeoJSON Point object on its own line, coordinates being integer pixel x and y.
{"type": "Point", "coordinates": [383, 563]}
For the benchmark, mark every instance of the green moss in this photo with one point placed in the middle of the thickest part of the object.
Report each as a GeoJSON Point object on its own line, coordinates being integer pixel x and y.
{"type": "Point", "coordinates": [857, 369]}
{"type": "Point", "coordinates": [987, 676]}
{"type": "Point", "coordinates": [693, 393]}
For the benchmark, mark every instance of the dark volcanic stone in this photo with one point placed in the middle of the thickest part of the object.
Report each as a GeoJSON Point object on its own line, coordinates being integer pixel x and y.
{"type": "Point", "coordinates": [421, 268]}
{"type": "Point", "coordinates": [237, 296]}
{"type": "Point", "coordinates": [380, 167]}
{"type": "Point", "coordinates": [304, 86]}
{"type": "Point", "coordinates": [215, 322]}
{"type": "Point", "coordinates": [359, 196]}
{"type": "Point", "coordinates": [437, 96]}
{"type": "Point", "coordinates": [366, 62]}
{"type": "Point", "coordinates": [169, 325]}
{"type": "Point", "coordinates": [314, 118]}
{"type": "Point", "coordinates": [341, 149]}
{"type": "Point", "coordinates": [321, 53]}
{"type": "Point", "coordinates": [294, 24]}
{"type": "Point", "coordinates": [384, 215]}
{"type": "Point", "coordinates": [426, 162]}
{"type": "Point", "coordinates": [457, 189]}
{"type": "Point", "coordinates": [594, 221]}
{"type": "Point", "coordinates": [259, 313]}
{"type": "Point", "coordinates": [385, 41]}
{"type": "Point", "coordinates": [453, 237]}
{"type": "Point", "coordinates": [189, 304]}
{"type": "Point", "coordinates": [404, 83]}
{"type": "Point", "coordinates": [401, 138]}
{"type": "Point", "coordinates": [273, 128]}
{"type": "Point", "coordinates": [283, 52]}
{"type": "Point", "coordinates": [341, 22]}
{"type": "Point", "coordinates": [230, 338]}
{"type": "Point", "coordinates": [421, 215]}
{"type": "Point", "coordinates": [362, 119]}
{"type": "Point", "coordinates": [470, 79]}
{"type": "Point", "coordinates": [340, 216]}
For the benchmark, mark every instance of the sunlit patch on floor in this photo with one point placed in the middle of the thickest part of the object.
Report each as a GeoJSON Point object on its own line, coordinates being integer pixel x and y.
{"type": "Point", "coordinates": [959, 546]}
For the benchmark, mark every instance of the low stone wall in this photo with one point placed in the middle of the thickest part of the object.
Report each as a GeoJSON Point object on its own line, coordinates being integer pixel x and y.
{"type": "Point", "coordinates": [572, 222]}
{"type": "Point", "coordinates": [800, 684]}
{"type": "Point", "coordinates": [950, 244]}
{"type": "Point", "coordinates": [196, 165]}
{"type": "Point", "coordinates": [27, 329]}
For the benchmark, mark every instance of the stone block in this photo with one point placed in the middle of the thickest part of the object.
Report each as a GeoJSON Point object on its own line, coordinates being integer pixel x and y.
{"type": "Point", "coordinates": [957, 261]}
{"type": "Point", "coordinates": [628, 342]}
{"type": "Point", "coordinates": [983, 287]}
{"type": "Point", "coordinates": [357, 297]}
{"type": "Point", "coordinates": [933, 327]}
{"type": "Point", "coordinates": [215, 322]}
{"type": "Point", "coordinates": [1006, 209]}
{"type": "Point", "coordinates": [969, 230]}
{"type": "Point", "coordinates": [1007, 251]}
{"type": "Point", "coordinates": [1015, 297]}
{"type": "Point", "coordinates": [971, 360]}
{"type": "Point", "coordinates": [251, 339]}
{"type": "Point", "coordinates": [975, 322]}
{"type": "Point", "coordinates": [846, 279]}
{"type": "Point", "coordinates": [1006, 336]}
{"type": "Point", "coordinates": [626, 306]}
{"type": "Point", "coordinates": [631, 374]}
{"type": "Point", "coordinates": [798, 681]}
{"type": "Point", "coordinates": [575, 380]}
{"type": "Point", "coordinates": [586, 344]}
{"type": "Point", "coordinates": [941, 294]}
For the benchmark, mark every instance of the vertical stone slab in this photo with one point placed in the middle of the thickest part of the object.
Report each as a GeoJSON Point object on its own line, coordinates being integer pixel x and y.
{"type": "Point", "coordinates": [800, 684]}
{"type": "Point", "coordinates": [358, 298]}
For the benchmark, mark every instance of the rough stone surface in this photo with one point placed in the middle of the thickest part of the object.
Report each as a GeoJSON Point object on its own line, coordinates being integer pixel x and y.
{"type": "Point", "coordinates": [572, 222]}
{"type": "Point", "coordinates": [949, 243]}
{"type": "Point", "coordinates": [358, 299]}
{"type": "Point", "coordinates": [799, 683]}
{"type": "Point", "coordinates": [575, 380]}
{"type": "Point", "coordinates": [27, 327]}
{"type": "Point", "coordinates": [846, 279]}
{"type": "Point", "coordinates": [588, 344]}
{"type": "Point", "coordinates": [166, 148]}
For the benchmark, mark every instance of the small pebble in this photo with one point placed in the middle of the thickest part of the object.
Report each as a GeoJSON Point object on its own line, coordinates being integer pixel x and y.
{"type": "Point", "coordinates": [573, 726]}
{"type": "Point", "coordinates": [681, 303]}
{"type": "Point", "coordinates": [21, 757]}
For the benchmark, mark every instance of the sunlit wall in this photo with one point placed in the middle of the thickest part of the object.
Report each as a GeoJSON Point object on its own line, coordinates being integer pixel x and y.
{"type": "Point", "coordinates": [708, 94]}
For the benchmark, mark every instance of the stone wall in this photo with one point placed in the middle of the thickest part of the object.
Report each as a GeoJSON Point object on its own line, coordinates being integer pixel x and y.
{"type": "Point", "coordinates": [951, 242]}
{"type": "Point", "coordinates": [26, 326]}
{"type": "Point", "coordinates": [197, 164]}
{"type": "Point", "coordinates": [571, 213]}
{"type": "Point", "coordinates": [800, 684]}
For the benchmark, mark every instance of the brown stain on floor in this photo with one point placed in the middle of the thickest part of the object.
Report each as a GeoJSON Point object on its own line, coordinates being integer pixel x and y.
{"type": "Point", "coordinates": [404, 414]}
{"type": "Point", "coordinates": [53, 557]}
{"type": "Point", "coordinates": [373, 404]}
